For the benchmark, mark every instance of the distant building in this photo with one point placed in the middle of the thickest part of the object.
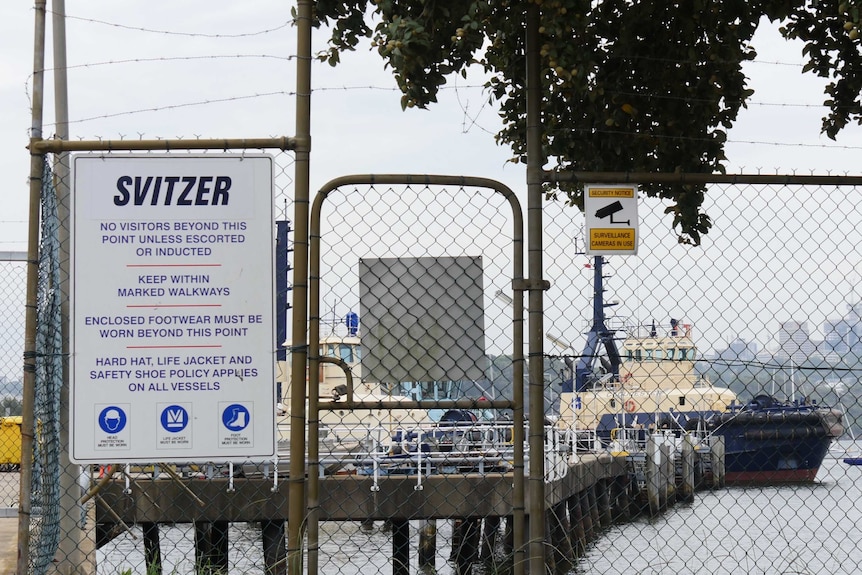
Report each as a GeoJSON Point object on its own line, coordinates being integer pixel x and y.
{"type": "Point", "coordinates": [794, 341]}
{"type": "Point", "coordinates": [845, 334]}
{"type": "Point", "coordinates": [739, 350]}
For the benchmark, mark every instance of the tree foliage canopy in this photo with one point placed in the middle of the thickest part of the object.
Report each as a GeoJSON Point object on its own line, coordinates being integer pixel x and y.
{"type": "Point", "coordinates": [628, 86]}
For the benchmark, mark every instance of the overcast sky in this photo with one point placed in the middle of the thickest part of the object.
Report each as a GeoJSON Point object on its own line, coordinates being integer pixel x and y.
{"type": "Point", "coordinates": [213, 69]}
{"type": "Point", "coordinates": [131, 56]}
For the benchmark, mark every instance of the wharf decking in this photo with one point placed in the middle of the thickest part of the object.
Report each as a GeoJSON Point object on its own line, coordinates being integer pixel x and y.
{"type": "Point", "coordinates": [253, 498]}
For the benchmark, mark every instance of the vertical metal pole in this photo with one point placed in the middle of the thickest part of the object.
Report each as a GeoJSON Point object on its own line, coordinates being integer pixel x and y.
{"type": "Point", "coordinates": [28, 400]}
{"type": "Point", "coordinates": [536, 295]}
{"type": "Point", "coordinates": [519, 536]}
{"type": "Point", "coordinates": [76, 552]}
{"type": "Point", "coordinates": [299, 340]}
{"type": "Point", "coordinates": [282, 267]}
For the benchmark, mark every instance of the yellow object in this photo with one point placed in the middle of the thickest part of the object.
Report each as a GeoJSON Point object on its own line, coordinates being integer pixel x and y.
{"type": "Point", "coordinates": [10, 440]}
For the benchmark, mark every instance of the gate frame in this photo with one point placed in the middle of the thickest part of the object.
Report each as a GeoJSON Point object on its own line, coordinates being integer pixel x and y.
{"type": "Point", "coordinates": [516, 404]}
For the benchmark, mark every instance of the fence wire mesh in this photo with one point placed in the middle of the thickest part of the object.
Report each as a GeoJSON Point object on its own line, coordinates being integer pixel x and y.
{"type": "Point", "coordinates": [753, 337]}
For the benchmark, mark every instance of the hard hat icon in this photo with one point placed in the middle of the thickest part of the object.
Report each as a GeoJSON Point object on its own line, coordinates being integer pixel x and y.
{"type": "Point", "coordinates": [112, 420]}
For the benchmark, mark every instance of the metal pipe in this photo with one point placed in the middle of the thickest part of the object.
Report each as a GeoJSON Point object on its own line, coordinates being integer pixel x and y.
{"type": "Point", "coordinates": [76, 549]}
{"type": "Point", "coordinates": [535, 287]}
{"type": "Point", "coordinates": [519, 536]}
{"type": "Point", "coordinates": [464, 403]}
{"type": "Point", "coordinates": [28, 399]}
{"type": "Point", "coordinates": [689, 178]}
{"type": "Point", "coordinates": [47, 146]}
{"type": "Point", "coordinates": [299, 341]}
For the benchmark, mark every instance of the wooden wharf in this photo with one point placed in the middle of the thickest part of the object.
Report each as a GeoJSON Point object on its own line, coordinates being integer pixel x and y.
{"type": "Point", "coordinates": [596, 491]}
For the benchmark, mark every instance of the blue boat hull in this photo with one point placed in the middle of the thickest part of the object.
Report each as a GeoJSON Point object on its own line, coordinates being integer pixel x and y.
{"type": "Point", "coordinates": [775, 442]}
{"type": "Point", "coordinates": [750, 461]}
{"type": "Point", "coordinates": [767, 442]}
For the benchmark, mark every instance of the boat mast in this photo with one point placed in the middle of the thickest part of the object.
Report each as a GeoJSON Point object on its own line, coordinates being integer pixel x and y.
{"type": "Point", "coordinates": [599, 335]}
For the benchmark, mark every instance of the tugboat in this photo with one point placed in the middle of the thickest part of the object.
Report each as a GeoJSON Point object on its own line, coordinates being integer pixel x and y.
{"type": "Point", "coordinates": [652, 386]}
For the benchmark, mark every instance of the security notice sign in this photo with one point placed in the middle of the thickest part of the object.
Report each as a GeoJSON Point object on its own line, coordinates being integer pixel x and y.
{"type": "Point", "coordinates": [611, 213]}
{"type": "Point", "coordinates": [172, 308]}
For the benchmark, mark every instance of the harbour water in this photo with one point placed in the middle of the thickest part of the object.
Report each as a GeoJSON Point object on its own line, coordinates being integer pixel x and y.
{"type": "Point", "coordinates": [813, 529]}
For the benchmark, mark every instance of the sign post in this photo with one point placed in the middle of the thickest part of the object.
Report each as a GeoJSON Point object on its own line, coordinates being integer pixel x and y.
{"type": "Point", "coordinates": [172, 317]}
{"type": "Point", "coordinates": [611, 214]}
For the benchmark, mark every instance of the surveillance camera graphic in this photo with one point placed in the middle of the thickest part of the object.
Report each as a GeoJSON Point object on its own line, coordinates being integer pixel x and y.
{"type": "Point", "coordinates": [609, 211]}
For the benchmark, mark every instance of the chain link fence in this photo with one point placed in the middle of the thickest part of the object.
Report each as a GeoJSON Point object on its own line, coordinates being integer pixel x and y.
{"type": "Point", "coordinates": [13, 273]}
{"type": "Point", "coordinates": [416, 458]}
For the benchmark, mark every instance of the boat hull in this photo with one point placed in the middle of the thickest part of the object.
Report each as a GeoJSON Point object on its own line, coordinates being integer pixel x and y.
{"type": "Point", "coordinates": [756, 462]}
{"type": "Point", "coordinates": [784, 444]}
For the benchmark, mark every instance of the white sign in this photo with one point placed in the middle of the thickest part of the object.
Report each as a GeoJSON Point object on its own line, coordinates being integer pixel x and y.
{"type": "Point", "coordinates": [611, 214]}
{"type": "Point", "coordinates": [172, 315]}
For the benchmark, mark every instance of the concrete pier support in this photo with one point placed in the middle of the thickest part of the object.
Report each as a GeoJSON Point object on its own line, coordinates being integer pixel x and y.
{"type": "Point", "coordinates": [653, 477]}
{"type": "Point", "coordinates": [717, 456]}
{"type": "Point", "coordinates": [687, 481]}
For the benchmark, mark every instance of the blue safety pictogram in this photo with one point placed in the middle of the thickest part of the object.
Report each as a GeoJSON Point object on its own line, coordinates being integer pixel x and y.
{"type": "Point", "coordinates": [174, 418]}
{"type": "Point", "coordinates": [235, 417]}
{"type": "Point", "coordinates": [112, 419]}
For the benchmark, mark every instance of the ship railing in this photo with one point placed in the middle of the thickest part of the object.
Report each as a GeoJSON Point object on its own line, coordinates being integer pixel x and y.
{"type": "Point", "coordinates": [643, 331]}
{"type": "Point", "coordinates": [458, 447]}
{"type": "Point", "coordinates": [420, 451]}
{"type": "Point", "coordinates": [628, 439]}
{"type": "Point", "coordinates": [581, 440]}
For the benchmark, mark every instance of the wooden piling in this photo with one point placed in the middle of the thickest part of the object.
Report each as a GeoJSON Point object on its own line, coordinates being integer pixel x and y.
{"type": "Point", "coordinates": [586, 515]}
{"type": "Point", "coordinates": [490, 534]}
{"type": "Point", "coordinates": [508, 543]}
{"type": "Point", "coordinates": [576, 523]}
{"type": "Point", "coordinates": [620, 500]}
{"type": "Point", "coordinates": [152, 552]}
{"type": "Point", "coordinates": [400, 547]}
{"type": "Point", "coordinates": [595, 516]}
{"type": "Point", "coordinates": [562, 553]}
{"type": "Point", "coordinates": [603, 500]}
{"type": "Point", "coordinates": [211, 547]}
{"type": "Point", "coordinates": [428, 546]}
{"type": "Point", "coordinates": [274, 548]}
{"type": "Point", "coordinates": [467, 552]}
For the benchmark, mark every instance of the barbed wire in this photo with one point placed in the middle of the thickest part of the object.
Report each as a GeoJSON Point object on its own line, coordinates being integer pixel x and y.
{"type": "Point", "coordinates": [472, 122]}
{"type": "Point", "coordinates": [173, 32]}
{"type": "Point", "coordinates": [470, 119]}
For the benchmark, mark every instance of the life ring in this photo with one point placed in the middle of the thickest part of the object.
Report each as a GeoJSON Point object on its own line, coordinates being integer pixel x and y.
{"type": "Point", "coordinates": [630, 405]}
